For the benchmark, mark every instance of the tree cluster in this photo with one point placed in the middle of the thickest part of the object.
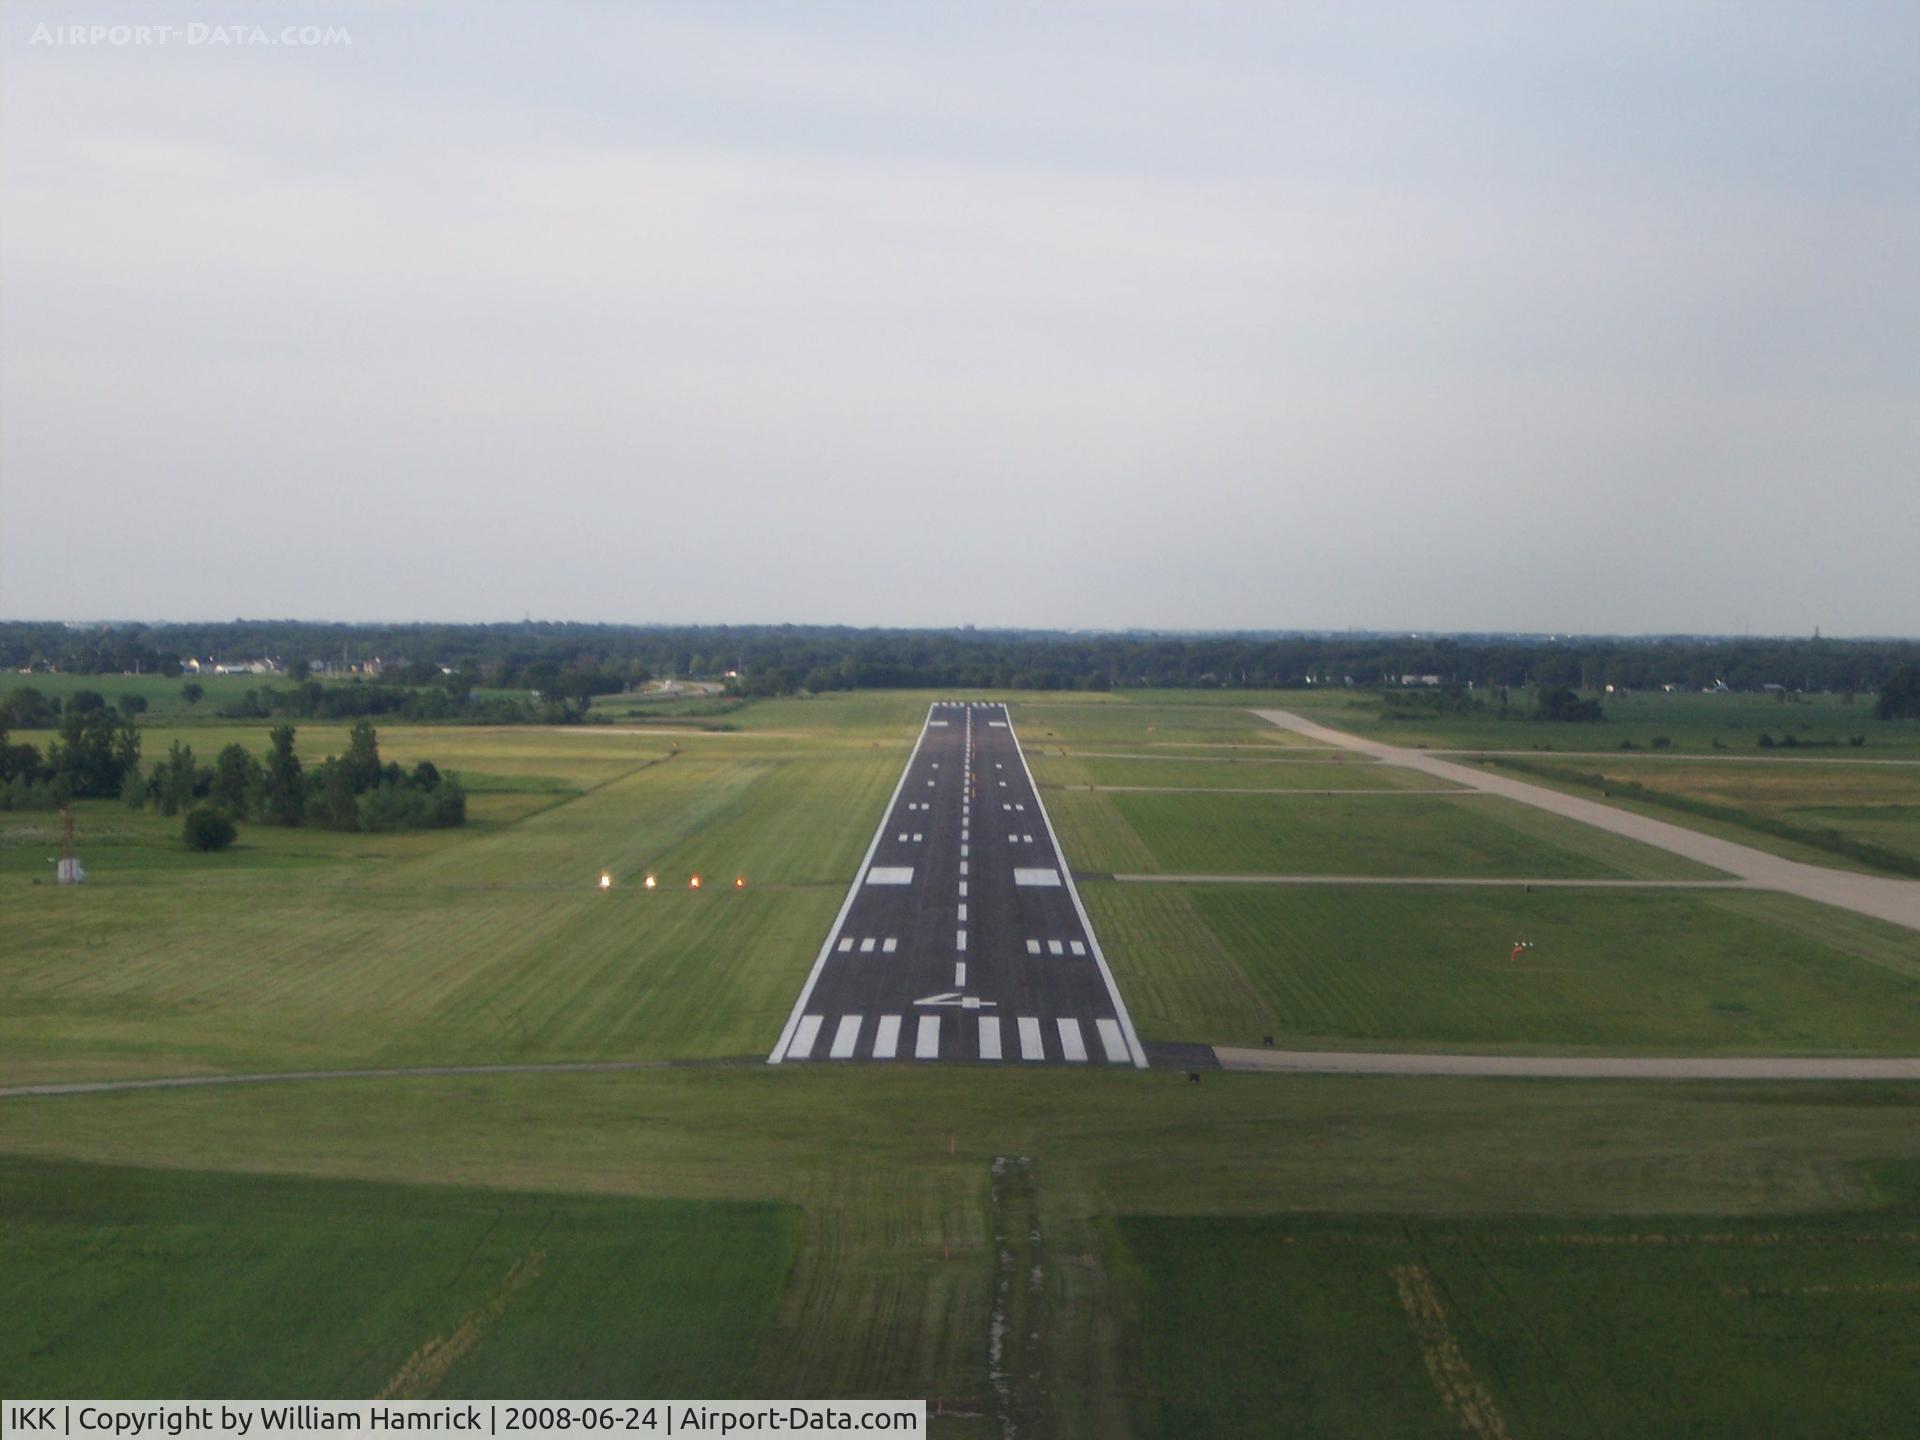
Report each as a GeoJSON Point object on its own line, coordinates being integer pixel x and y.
{"type": "Point", "coordinates": [354, 791]}
{"type": "Point", "coordinates": [92, 754]}
{"type": "Point", "coordinates": [1900, 696]}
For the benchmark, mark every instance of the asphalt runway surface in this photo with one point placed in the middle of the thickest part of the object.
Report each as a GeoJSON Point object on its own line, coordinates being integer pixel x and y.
{"type": "Point", "coordinates": [962, 937]}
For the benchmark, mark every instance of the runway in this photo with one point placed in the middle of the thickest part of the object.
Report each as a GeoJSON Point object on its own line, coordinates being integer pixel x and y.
{"type": "Point", "coordinates": [962, 937]}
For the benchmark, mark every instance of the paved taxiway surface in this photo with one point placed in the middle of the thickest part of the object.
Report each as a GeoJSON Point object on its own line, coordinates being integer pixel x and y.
{"type": "Point", "coordinates": [963, 937]}
{"type": "Point", "coordinates": [1897, 901]}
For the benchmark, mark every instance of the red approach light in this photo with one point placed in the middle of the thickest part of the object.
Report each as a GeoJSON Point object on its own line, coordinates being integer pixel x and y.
{"type": "Point", "coordinates": [739, 882]}
{"type": "Point", "coordinates": [693, 883]}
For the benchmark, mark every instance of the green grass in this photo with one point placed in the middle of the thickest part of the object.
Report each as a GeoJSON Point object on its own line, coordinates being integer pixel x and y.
{"type": "Point", "coordinates": [131, 1283]}
{"type": "Point", "coordinates": [1308, 834]}
{"type": "Point", "coordinates": [1312, 773]}
{"type": "Point", "coordinates": [893, 1284]}
{"type": "Point", "coordinates": [310, 948]}
{"type": "Point", "coordinates": [1114, 724]}
{"type": "Point", "coordinates": [1278, 1326]}
{"type": "Point", "coordinates": [1384, 968]}
{"type": "Point", "coordinates": [868, 1253]}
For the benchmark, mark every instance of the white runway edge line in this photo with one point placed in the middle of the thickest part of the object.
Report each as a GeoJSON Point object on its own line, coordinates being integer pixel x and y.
{"type": "Point", "coordinates": [853, 893]}
{"type": "Point", "coordinates": [1086, 923]}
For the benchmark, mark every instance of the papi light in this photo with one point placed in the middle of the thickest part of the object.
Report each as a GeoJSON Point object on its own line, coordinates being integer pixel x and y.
{"type": "Point", "coordinates": [606, 881]}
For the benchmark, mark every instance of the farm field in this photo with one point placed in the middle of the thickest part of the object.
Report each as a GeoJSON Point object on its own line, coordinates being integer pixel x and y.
{"type": "Point", "coordinates": [1426, 968]}
{"type": "Point", "coordinates": [1690, 722]}
{"type": "Point", "coordinates": [1543, 1327]}
{"type": "Point", "coordinates": [1864, 817]}
{"type": "Point", "coordinates": [1309, 834]}
{"type": "Point", "coordinates": [854, 1210]}
{"type": "Point", "coordinates": [892, 1288]}
{"type": "Point", "coordinates": [247, 1286]}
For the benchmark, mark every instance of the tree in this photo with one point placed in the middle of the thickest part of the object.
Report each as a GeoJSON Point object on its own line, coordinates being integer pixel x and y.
{"type": "Point", "coordinates": [178, 778]}
{"type": "Point", "coordinates": [301, 672]}
{"type": "Point", "coordinates": [331, 799]}
{"type": "Point", "coordinates": [237, 781]}
{"type": "Point", "coordinates": [85, 702]}
{"type": "Point", "coordinates": [132, 704]}
{"type": "Point", "coordinates": [192, 691]}
{"type": "Point", "coordinates": [18, 761]}
{"type": "Point", "coordinates": [1900, 696]}
{"type": "Point", "coordinates": [283, 791]}
{"type": "Point", "coordinates": [93, 752]}
{"type": "Point", "coordinates": [362, 760]}
{"type": "Point", "coordinates": [207, 830]}
{"type": "Point", "coordinates": [27, 709]}
{"type": "Point", "coordinates": [1560, 703]}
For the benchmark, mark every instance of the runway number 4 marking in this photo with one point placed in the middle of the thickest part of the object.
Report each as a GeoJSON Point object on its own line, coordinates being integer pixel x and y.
{"type": "Point", "coordinates": [959, 1001]}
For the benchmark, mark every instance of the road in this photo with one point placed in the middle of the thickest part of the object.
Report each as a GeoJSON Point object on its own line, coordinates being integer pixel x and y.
{"type": "Point", "coordinates": [962, 937]}
{"type": "Point", "coordinates": [1895, 901]}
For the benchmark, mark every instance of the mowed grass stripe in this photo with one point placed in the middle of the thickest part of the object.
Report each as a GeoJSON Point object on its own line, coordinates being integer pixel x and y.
{"type": "Point", "coordinates": [349, 977]}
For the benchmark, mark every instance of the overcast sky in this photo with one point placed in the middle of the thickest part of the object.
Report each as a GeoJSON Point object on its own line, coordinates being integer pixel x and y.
{"type": "Point", "coordinates": [1436, 316]}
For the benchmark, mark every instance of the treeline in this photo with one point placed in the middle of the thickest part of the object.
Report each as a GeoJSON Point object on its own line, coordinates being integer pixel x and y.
{"type": "Point", "coordinates": [354, 791]}
{"type": "Point", "coordinates": [572, 662]}
{"type": "Point", "coordinates": [440, 702]}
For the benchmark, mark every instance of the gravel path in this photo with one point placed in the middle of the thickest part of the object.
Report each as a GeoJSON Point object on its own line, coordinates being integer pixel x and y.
{"type": "Point", "coordinates": [1448, 880]}
{"type": "Point", "coordinates": [272, 1077]}
{"type": "Point", "coordinates": [1571, 1067]}
{"type": "Point", "coordinates": [1895, 901]}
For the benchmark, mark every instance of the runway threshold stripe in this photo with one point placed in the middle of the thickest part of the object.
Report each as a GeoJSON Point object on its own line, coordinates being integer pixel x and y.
{"type": "Point", "coordinates": [864, 876]}
{"type": "Point", "coordinates": [1113, 1041]}
{"type": "Point", "coordinates": [1073, 945]}
{"type": "Point", "coordinates": [1033, 947]}
{"type": "Point", "coordinates": [846, 945]}
{"type": "Point", "coordinates": [802, 1044]}
{"type": "Point", "coordinates": [989, 1037]}
{"type": "Point", "coordinates": [846, 1037]}
{"type": "Point", "coordinates": [1070, 1040]}
{"type": "Point", "coordinates": [886, 1037]}
{"type": "Point", "coordinates": [926, 1044]}
{"type": "Point", "coordinates": [1030, 1046]}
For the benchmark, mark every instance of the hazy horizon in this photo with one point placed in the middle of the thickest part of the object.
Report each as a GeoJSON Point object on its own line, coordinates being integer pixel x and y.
{"type": "Point", "coordinates": [1556, 320]}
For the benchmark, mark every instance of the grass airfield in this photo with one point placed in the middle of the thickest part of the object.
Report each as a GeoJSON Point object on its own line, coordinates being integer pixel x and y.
{"type": "Point", "coordinates": [1253, 1255]}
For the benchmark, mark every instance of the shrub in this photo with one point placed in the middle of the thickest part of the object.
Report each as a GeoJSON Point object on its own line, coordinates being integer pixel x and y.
{"type": "Point", "coordinates": [207, 829]}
